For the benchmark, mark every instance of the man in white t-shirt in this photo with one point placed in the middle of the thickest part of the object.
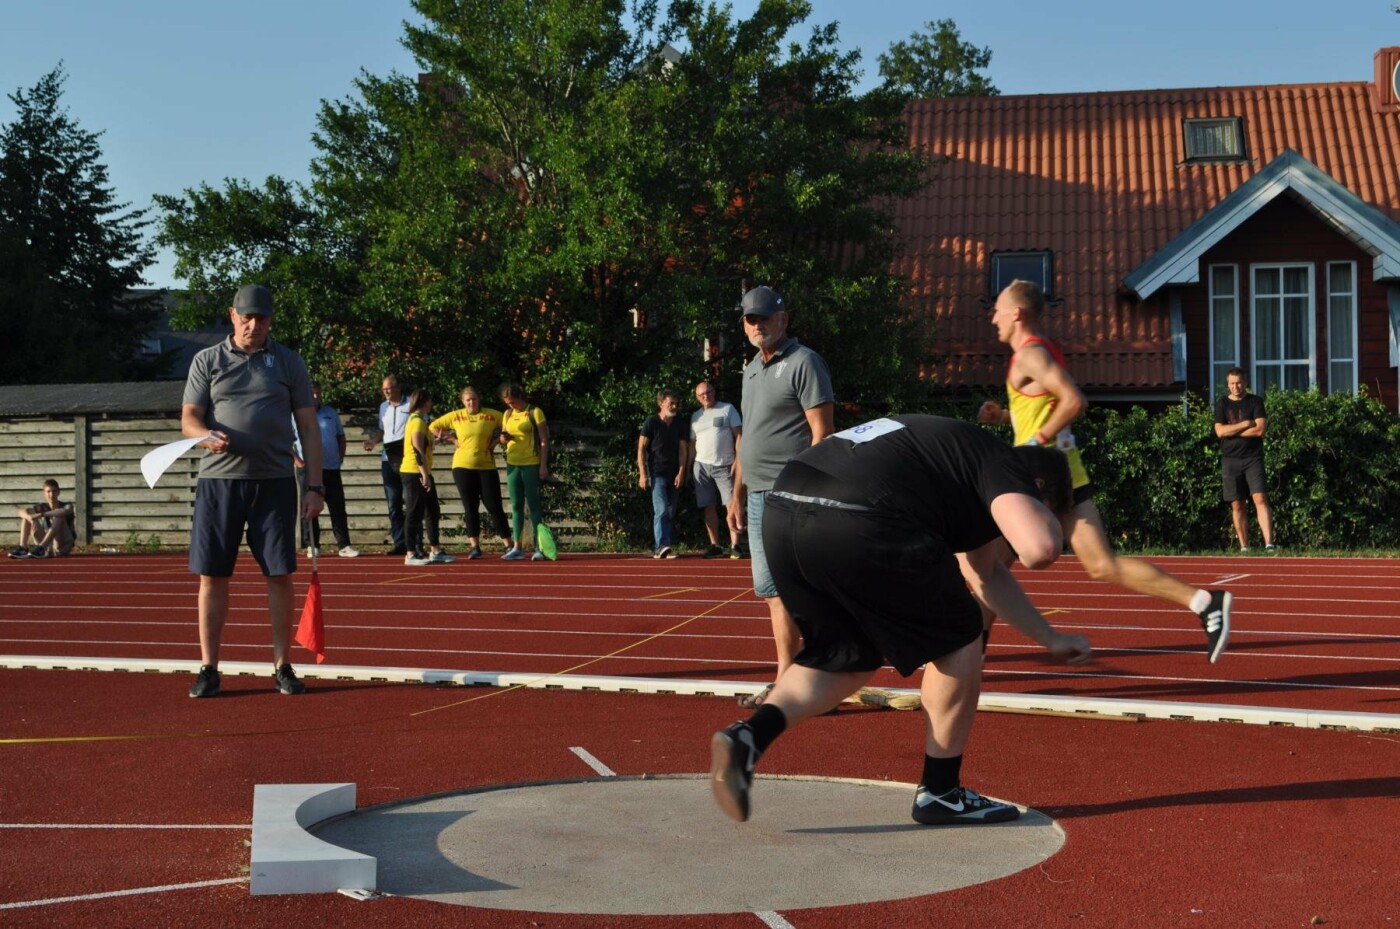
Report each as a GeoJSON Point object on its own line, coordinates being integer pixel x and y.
{"type": "Point", "coordinates": [393, 419]}
{"type": "Point", "coordinates": [714, 431]}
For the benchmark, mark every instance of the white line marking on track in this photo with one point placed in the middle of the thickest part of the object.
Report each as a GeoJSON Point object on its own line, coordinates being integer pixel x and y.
{"type": "Point", "coordinates": [123, 893]}
{"type": "Point", "coordinates": [592, 762]}
{"type": "Point", "coordinates": [774, 920]}
{"type": "Point", "coordinates": [1226, 580]}
{"type": "Point", "coordinates": [118, 826]}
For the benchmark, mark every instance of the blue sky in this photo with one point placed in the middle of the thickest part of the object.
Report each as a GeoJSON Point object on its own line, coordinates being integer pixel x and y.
{"type": "Point", "coordinates": [189, 92]}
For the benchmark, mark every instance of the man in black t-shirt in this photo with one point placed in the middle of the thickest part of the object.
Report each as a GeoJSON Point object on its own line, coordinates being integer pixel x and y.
{"type": "Point", "coordinates": [1240, 424]}
{"type": "Point", "coordinates": [661, 451]}
{"type": "Point", "coordinates": [862, 532]}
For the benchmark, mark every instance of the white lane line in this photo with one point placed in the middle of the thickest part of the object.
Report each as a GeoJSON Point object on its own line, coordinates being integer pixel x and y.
{"type": "Point", "coordinates": [123, 893]}
{"type": "Point", "coordinates": [116, 826]}
{"type": "Point", "coordinates": [1157, 678]}
{"type": "Point", "coordinates": [592, 762]}
{"type": "Point", "coordinates": [774, 920]}
{"type": "Point", "coordinates": [1226, 580]}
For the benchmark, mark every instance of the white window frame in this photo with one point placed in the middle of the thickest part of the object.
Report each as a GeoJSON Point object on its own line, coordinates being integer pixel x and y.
{"type": "Point", "coordinates": [1311, 358]}
{"type": "Point", "coordinates": [1235, 127]}
{"type": "Point", "coordinates": [1355, 346]}
{"type": "Point", "coordinates": [1217, 353]}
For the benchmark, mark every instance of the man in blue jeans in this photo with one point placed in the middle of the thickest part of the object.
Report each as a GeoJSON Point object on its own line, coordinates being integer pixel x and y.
{"type": "Point", "coordinates": [393, 418]}
{"type": "Point", "coordinates": [662, 450]}
{"type": "Point", "coordinates": [787, 406]}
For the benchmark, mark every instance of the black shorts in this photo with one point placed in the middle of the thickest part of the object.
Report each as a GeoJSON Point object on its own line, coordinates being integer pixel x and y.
{"type": "Point", "coordinates": [1242, 477]}
{"type": "Point", "coordinates": [1083, 492]}
{"type": "Point", "coordinates": [866, 587]}
{"type": "Point", "coordinates": [223, 509]}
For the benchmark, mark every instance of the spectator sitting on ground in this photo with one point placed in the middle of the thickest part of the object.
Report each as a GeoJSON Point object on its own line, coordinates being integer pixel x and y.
{"type": "Point", "coordinates": [46, 529]}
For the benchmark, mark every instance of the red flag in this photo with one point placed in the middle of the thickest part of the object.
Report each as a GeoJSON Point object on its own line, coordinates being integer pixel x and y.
{"type": "Point", "coordinates": [311, 632]}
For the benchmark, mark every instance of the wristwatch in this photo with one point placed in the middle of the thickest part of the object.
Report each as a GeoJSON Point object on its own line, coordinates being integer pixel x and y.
{"type": "Point", "coordinates": [316, 488]}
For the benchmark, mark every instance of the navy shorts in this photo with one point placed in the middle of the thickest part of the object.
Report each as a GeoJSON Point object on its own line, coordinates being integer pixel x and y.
{"type": "Point", "coordinates": [224, 509]}
{"type": "Point", "coordinates": [1242, 477]}
{"type": "Point", "coordinates": [865, 587]}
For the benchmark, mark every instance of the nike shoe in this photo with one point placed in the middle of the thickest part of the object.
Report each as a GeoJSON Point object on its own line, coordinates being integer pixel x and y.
{"type": "Point", "coordinates": [958, 806]}
{"type": "Point", "coordinates": [207, 684]}
{"type": "Point", "coordinates": [732, 760]}
{"type": "Point", "coordinates": [1216, 621]}
{"type": "Point", "coordinates": [287, 681]}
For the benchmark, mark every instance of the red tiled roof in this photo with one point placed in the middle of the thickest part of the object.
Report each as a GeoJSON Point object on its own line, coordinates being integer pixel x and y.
{"type": "Point", "coordinates": [1099, 179]}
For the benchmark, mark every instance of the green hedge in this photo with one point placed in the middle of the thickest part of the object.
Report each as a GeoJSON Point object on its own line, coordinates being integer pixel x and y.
{"type": "Point", "coordinates": [1333, 467]}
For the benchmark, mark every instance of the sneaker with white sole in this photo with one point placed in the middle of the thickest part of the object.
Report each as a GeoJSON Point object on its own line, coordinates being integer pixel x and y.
{"type": "Point", "coordinates": [732, 760]}
{"type": "Point", "coordinates": [537, 556]}
{"type": "Point", "coordinates": [513, 554]}
{"type": "Point", "coordinates": [313, 552]}
{"type": "Point", "coordinates": [20, 552]}
{"type": "Point", "coordinates": [474, 554]}
{"type": "Point", "coordinates": [441, 558]}
{"type": "Point", "coordinates": [287, 681]}
{"type": "Point", "coordinates": [959, 806]}
{"type": "Point", "coordinates": [349, 551]}
{"type": "Point", "coordinates": [415, 560]}
{"type": "Point", "coordinates": [1216, 621]}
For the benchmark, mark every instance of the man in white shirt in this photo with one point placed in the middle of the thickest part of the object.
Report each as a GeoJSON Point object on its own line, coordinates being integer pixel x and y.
{"type": "Point", "coordinates": [393, 419]}
{"type": "Point", "coordinates": [714, 431]}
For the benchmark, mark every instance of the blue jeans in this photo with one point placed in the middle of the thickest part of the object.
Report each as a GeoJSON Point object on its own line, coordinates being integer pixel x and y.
{"type": "Point", "coordinates": [763, 585]}
{"type": "Point", "coordinates": [664, 495]}
{"type": "Point", "coordinates": [393, 495]}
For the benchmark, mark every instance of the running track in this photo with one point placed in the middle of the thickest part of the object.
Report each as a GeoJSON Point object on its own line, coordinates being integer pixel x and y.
{"type": "Point", "coordinates": [1259, 826]}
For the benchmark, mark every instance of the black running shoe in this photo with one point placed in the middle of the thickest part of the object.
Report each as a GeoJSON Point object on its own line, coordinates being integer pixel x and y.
{"type": "Point", "coordinates": [207, 684]}
{"type": "Point", "coordinates": [1216, 620]}
{"type": "Point", "coordinates": [287, 681]}
{"type": "Point", "coordinates": [958, 806]}
{"type": "Point", "coordinates": [732, 760]}
{"type": "Point", "coordinates": [714, 551]}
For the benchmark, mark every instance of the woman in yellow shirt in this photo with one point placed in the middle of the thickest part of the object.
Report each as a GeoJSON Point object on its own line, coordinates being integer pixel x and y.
{"type": "Point", "coordinates": [420, 500]}
{"type": "Point", "coordinates": [526, 438]}
{"type": "Point", "coordinates": [474, 466]}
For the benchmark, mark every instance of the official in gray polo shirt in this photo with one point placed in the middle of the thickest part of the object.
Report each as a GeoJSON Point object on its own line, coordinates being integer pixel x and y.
{"type": "Point", "coordinates": [787, 406]}
{"type": "Point", "coordinates": [244, 393]}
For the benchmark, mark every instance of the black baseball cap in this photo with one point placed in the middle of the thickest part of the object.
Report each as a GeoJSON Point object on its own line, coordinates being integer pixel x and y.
{"type": "Point", "coordinates": [761, 301]}
{"type": "Point", "coordinates": [253, 300]}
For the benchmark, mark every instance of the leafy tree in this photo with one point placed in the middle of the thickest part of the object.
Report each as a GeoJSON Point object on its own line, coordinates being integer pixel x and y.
{"type": "Point", "coordinates": [937, 63]}
{"type": "Point", "coordinates": [69, 252]}
{"type": "Point", "coordinates": [565, 199]}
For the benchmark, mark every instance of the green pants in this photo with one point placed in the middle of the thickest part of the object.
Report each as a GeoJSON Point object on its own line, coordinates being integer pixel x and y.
{"type": "Point", "coordinates": [523, 484]}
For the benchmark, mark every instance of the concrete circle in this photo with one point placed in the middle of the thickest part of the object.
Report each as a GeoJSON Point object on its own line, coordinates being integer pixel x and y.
{"type": "Point", "coordinates": [658, 846]}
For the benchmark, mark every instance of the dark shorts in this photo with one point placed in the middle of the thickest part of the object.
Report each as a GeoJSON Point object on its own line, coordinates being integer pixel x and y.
{"type": "Point", "coordinates": [866, 587]}
{"type": "Point", "coordinates": [1083, 492]}
{"type": "Point", "coordinates": [224, 509]}
{"type": "Point", "coordinates": [1242, 477]}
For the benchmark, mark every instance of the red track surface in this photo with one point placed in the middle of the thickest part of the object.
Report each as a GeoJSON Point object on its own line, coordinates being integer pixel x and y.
{"type": "Point", "coordinates": [1250, 826]}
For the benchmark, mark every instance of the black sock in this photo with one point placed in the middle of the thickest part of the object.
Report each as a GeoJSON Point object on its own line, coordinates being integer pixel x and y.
{"type": "Point", "coordinates": [941, 774]}
{"type": "Point", "coordinates": [767, 723]}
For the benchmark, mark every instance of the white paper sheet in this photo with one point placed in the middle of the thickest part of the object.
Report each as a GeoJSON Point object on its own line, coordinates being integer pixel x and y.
{"type": "Point", "coordinates": [157, 462]}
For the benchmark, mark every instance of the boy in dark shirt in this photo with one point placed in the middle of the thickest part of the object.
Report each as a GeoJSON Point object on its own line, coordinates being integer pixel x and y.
{"type": "Point", "coordinates": [661, 452]}
{"type": "Point", "coordinates": [46, 529]}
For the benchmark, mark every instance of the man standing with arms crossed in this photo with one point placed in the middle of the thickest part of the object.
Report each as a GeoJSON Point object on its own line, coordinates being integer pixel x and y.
{"type": "Point", "coordinates": [1240, 424]}
{"type": "Point", "coordinates": [393, 419]}
{"type": "Point", "coordinates": [715, 429]}
{"type": "Point", "coordinates": [244, 393]}
{"type": "Point", "coordinates": [1044, 403]}
{"type": "Point", "coordinates": [788, 406]}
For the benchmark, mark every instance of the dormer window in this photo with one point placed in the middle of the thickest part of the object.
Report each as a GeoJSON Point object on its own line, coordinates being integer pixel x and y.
{"type": "Point", "coordinates": [1030, 265]}
{"type": "Point", "coordinates": [1214, 139]}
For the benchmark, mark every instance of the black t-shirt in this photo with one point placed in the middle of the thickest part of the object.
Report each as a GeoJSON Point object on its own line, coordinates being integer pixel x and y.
{"type": "Point", "coordinates": [1227, 413]}
{"type": "Point", "coordinates": [664, 445]}
{"type": "Point", "coordinates": [942, 473]}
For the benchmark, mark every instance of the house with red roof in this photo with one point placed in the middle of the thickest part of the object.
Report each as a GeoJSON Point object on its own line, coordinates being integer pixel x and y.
{"type": "Point", "coordinates": [1177, 232]}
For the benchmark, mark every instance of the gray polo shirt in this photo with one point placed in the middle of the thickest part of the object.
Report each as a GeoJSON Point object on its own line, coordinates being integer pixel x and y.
{"type": "Point", "coordinates": [777, 395]}
{"type": "Point", "coordinates": [250, 398]}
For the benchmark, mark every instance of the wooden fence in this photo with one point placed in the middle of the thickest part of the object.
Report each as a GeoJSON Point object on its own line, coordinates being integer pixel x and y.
{"type": "Point", "coordinates": [96, 461]}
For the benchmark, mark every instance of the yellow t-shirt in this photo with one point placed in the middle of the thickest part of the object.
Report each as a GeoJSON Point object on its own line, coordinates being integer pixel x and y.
{"type": "Point", "coordinates": [1031, 411]}
{"type": "Point", "coordinates": [474, 434]}
{"type": "Point", "coordinates": [520, 429]}
{"type": "Point", "coordinates": [416, 424]}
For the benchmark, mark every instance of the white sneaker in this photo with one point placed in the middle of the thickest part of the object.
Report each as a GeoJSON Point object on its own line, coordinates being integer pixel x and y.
{"type": "Point", "coordinates": [313, 552]}
{"type": "Point", "coordinates": [415, 561]}
{"type": "Point", "coordinates": [349, 551]}
{"type": "Point", "coordinates": [537, 556]}
{"type": "Point", "coordinates": [441, 558]}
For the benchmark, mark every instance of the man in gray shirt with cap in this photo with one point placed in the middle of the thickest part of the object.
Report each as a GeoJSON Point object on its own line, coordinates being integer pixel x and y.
{"type": "Point", "coordinates": [243, 394]}
{"type": "Point", "coordinates": [787, 406]}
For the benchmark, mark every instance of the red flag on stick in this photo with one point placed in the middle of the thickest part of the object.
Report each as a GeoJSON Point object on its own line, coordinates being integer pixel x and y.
{"type": "Point", "coordinates": [311, 632]}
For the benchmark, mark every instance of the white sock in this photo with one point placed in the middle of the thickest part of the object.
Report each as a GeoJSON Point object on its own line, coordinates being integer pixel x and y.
{"type": "Point", "coordinates": [1200, 600]}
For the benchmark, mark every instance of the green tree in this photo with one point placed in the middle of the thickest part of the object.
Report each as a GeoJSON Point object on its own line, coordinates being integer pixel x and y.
{"type": "Point", "coordinates": [937, 63]}
{"type": "Point", "coordinates": [69, 253]}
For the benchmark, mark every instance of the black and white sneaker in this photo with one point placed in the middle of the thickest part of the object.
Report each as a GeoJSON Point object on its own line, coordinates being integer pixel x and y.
{"type": "Point", "coordinates": [1216, 621]}
{"type": "Point", "coordinates": [732, 760]}
{"type": "Point", "coordinates": [958, 806]}
{"type": "Point", "coordinates": [207, 684]}
{"type": "Point", "coordinates": [287, 681]}
{"type": "Point", "coordinates": [20, 552]}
